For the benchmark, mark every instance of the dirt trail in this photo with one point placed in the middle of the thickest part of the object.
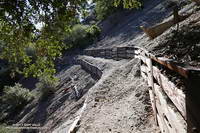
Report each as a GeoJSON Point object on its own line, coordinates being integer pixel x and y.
{"type": "Point", "coordinates": [119, 102]}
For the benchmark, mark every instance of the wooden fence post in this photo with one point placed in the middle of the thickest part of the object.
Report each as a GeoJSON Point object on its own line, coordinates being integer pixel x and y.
{"type": "Point", "coordinates": [151, 85]}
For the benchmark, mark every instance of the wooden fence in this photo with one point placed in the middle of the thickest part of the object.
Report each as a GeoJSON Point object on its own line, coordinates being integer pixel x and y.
{"type": "Point", "coordinates": [89, 67]}
{"type": "Point", "coordinates": [116, 53]}
{"type": "Point", "coordinates": [175, 109]}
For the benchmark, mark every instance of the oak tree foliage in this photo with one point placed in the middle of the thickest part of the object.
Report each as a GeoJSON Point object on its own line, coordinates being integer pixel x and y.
{"type": "Point", "coordinates": [18, 31]}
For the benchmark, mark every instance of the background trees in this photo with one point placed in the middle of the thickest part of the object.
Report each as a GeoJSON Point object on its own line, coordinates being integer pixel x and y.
{"type": "Point", "coordinates": [105, 8]}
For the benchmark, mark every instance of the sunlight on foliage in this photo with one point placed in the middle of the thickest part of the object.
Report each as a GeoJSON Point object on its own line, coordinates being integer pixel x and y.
{"type": "Point", "coordinates": [18, 32]}
{"type": "Point", "coordinates": [105, 8]}
{"type": "Point", "coordinates": [16, 96]}
{"type": "Point", "coordinates": [128, 3]}
{"type": "Point", "coordinates": [82, 35]}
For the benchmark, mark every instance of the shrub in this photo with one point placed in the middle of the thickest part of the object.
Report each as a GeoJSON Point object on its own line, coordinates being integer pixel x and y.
{"type": "Point", "coordinates": [82, 35]}
{"type": "Point", "coordinates": [104, 8]}
{"type": "Point", "coordinates": [79, 31]}
{"type": "Point", "coordinates": [6, 75]}
{"type": "Point", "coordinates": [47, 86]}
{"type": "Point", "coordinates": [16, 96]}
{"type": "Point", "coordinates": [94, 31]}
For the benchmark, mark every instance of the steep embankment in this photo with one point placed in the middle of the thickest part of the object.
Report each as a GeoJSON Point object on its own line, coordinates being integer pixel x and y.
{"type": "Point", "coordinates": [63, 104]}
{"type": "Point", "coordinates": [119, 29]}
{"type": "Point", "coordinates": [182, 45]}
{"type": "Point", "coordinates": [123, 29]}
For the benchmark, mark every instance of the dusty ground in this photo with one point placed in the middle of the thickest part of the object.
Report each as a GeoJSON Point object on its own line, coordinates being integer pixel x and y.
{"type": "Point", "coordinates": [104, 65]}
{"type": "Point", "coordinates": [119, 103]}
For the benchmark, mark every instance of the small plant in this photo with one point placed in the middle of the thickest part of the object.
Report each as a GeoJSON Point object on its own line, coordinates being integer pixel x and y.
{"type": "Point", "coordinates": [16, 96]}
{"type": "Point", "coordinates": [47, 86]}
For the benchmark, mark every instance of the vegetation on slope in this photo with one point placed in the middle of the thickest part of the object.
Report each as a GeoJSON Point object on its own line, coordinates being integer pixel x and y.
{"type": "Point", "coordinates": [104, 8]}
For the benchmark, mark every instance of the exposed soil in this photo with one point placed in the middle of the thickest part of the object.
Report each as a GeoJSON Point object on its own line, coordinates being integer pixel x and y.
{"type": "Point", "coordinates": [123, 29]}
{"type": "Point", "coordinates": [119, 103]}
{"type": "Point", "coordinates": [182, 45]}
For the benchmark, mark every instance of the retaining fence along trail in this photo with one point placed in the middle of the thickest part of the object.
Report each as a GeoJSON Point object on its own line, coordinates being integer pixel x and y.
{"type": "Point", "coordinates": [89, 67]}
{"type": "Point", "coordinates": [176, 110]}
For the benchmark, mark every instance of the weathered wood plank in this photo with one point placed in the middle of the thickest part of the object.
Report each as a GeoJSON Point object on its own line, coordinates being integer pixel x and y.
{"type": "Point", "coordinates": [151, 84]}
{"type": "Point", "coordinates": [173, 116]}
{"type": "Point", "coordinates": [166, 126]}
{"type": "Point", "coordinates": [176, 95]}
{"type": "Point", "coordinates": [143, 68]}
{"type": "Point", "coordinates": [153, 103]}
{"type": "Point", "coordinates": [163, 127]}
{"type": "Point", "coordinates": [170, 65]}
{"type": "Point", "coordinates": [77, 119]}
{"type": "Point", "coordinates": [130, 51]}
{"type": "Point", "coordinates": [129, 55]}
{"type": "Point", "coordinates": [142, 58]}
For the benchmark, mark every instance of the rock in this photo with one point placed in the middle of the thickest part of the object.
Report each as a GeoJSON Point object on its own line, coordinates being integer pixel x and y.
{"type": "Point", "coordinates": [138, 94]}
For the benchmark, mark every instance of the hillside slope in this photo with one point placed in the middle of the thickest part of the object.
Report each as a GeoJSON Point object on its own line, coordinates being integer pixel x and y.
{"type": "Point", "coordinates": [119, 101]}
{"type": "Point", "coordinates": [123, 29]}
